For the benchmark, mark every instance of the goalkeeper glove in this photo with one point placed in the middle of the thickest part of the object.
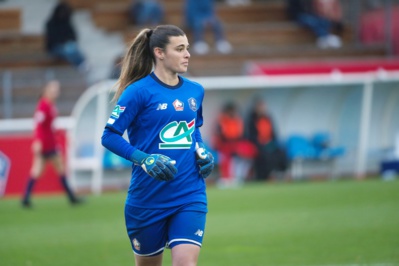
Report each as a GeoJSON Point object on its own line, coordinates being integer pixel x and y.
{"type": "Point", "coordinates": [158, 166]}
{"type": "Point", "coordinates": [204, 160]}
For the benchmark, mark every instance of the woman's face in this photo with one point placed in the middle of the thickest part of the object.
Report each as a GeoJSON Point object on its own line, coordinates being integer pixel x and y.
{"type": "Point", "coordinates": [52, 90]}
{"type": "Point", "coordinates": [175, 56]}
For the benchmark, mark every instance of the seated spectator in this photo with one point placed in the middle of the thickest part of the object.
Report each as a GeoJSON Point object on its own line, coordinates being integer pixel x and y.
{"type": "Point", "coordinates": [146, 12]}
{"type": "Point", "coordinates": [199, 15]}
{"type": "Point", "coordinates": [302, 11]}
{"type": "Point", "coordinates": [61, 39]}
{"type": "Point", "coordinates": [234, 151]}
{"type": "Point", "coordinates": [373, 28]}
{"type": "Point", "coordinates": [262, 133]}
{"type": "Point", "coordinates": [332, 11]}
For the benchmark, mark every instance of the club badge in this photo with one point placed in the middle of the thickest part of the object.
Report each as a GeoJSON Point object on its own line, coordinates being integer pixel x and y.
{"type": "Point", "coordinates": [192, 103]}
{"type": "Point", "coordinates": [136, 244]}
{"type": "Point", "coordinates": [179, 106]}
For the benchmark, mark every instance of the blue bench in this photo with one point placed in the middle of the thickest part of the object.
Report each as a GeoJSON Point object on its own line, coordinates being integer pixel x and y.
{"type": "Point", "coordinates": [302, 149]}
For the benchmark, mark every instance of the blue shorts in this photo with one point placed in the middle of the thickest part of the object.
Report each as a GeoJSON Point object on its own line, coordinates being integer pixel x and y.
{"type": "Point", "coordinates": [167, 227]}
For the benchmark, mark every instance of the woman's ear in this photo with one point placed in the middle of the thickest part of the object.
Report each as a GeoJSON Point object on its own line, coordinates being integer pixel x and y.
{"type": "Point", "coordinates": [159, 53]}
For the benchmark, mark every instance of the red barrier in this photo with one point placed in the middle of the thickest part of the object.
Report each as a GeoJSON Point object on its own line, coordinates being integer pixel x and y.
{"type": "Point", "coordinates": [322, 67]}
{"type": "Point", "coordinates": [18, 149]}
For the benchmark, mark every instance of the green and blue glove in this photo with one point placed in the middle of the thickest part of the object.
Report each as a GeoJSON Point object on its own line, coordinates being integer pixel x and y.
{"type": "Point", "coordinates": [158, 166]}
{"type": "Point", "coordinates": [205, 160]}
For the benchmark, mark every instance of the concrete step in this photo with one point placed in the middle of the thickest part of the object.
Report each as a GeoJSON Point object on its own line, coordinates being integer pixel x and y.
{"type": "Point", "coordinates": [114, 16]}
{"type": "Point", "coordinates": [263, 33]}
{"type": "Point", "coordinates": [262, 11]}
{"type": "Point", "coordinates": [11, 19]}
{"type": "Point", "coordinates": [27, 49]}
{"type": "Point", "coordinates": [17, 43]}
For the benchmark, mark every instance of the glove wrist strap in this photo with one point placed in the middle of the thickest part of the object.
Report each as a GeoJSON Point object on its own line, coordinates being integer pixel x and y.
{"type": "Point", "coordinates": [138, 157]}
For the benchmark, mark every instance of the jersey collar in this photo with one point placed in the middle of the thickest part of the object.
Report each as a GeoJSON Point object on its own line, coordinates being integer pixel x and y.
{"type": "Point", "coordinates": [178, 85]}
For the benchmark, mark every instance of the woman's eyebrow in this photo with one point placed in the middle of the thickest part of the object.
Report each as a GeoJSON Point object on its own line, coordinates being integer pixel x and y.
{"type": "Point", "coordinates": [182, 45]}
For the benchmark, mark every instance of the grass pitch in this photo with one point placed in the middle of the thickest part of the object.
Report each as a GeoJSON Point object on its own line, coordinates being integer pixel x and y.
{"type": "Point", "coordinates": [344, 223]}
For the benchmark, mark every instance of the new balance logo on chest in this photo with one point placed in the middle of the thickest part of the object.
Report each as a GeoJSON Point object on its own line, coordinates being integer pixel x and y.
{"type": "Point", "coordinates": [162, 106]}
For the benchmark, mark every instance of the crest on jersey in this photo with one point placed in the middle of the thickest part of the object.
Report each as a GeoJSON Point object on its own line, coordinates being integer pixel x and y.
{"type": "Point", "coordinates": [192, 103]}
{"type": "Point", "coordinates": [136, 244]}
{"type": "Point", "coordinates": [177, 135]}
{"type": "Point", "coordinates": [179, 106]}
{"type": "Point", "coordinates": [118, 110]}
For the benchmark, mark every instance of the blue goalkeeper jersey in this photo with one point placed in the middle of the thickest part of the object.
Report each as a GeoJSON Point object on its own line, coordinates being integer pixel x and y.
{"type": "Point", "coordinates": [162, 119]}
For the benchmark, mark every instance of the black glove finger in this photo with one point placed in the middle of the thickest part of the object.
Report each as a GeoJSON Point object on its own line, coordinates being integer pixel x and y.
{"type": "Point", "coordinates": [202, 161]}
{"type": "Point", "coordinates": [160, 164]}
{"type": "Point", "coordinates": [156, 169]}
{"type": "Point", "coordinates": [206, 168]}
{"type": "Point", "coordinates": [157, 173]}
{"type": "Point", "coordinates": [161, 176]}
{"type": "Point", "coordinates": [171, 167]}
{"type": "Point", "coordinates": [166, 169]}
{"type": "Point", "coordinates": [152, 174]}
{"type": "Point", "coordinates": [168, 175]}
{"type": "Point", "coordinates": [206, 173]}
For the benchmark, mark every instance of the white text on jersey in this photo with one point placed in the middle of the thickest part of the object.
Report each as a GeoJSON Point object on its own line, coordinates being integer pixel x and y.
{"type": "Point", "coordinates": [162, 106]}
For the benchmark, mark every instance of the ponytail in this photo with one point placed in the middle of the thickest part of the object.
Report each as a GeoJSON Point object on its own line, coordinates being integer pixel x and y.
{"type": "Point", "coordinates": [137, 62]}
{"type": "Point", "coordinates": [139, 59]}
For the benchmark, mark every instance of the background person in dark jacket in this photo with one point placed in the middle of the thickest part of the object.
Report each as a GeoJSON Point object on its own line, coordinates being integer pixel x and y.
{"type": "Point", "coordinates": [61, 40]}
{"type": "Point", "coordinates": [262, 133]}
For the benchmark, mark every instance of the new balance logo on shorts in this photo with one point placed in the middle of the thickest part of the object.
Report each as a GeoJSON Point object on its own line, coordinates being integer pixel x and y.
{"type": "Point", "coordinates": [199, 233]}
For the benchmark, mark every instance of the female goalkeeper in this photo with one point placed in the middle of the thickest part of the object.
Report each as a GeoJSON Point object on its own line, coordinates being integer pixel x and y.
{"type": "Point", "coordinates": [166, 203]}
